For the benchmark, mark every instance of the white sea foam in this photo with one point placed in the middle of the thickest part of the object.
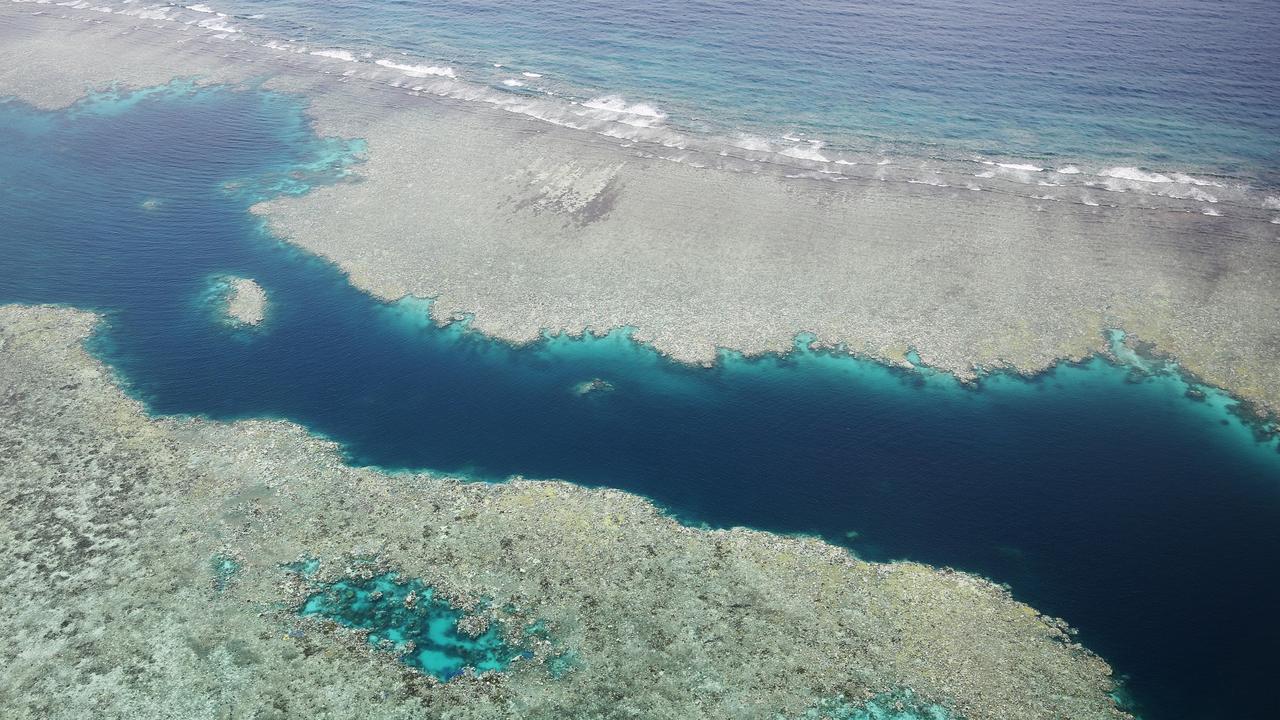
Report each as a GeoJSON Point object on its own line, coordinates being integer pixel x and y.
{"type": "Point", "coordinates": [806, 152]}
{"type": "Point", "coordinates": [512, 82]}
{"type": "Point", "coordinates": [1088, 201]}
{"type": "Point", "coordinates": [1271, 202]}
{"type": "Point", "coordinates": [217, 23]}
{"type": "Point", "coordinates": [1069, 170]}
{"type": "Point", "coordinates": [418, 70]}
{"type": "Point", "coordinates": [154, 12]}
{"type": "Point", "coordinates": [201, 8]}
{"type": "Point", "coordinates": [637, 130]}
{"type": "Point", "coordinates": [1211, 212]}
{"type": "Point", "coordinates": [529, 74]}
{"type": "Point", "coordinates": [335, 54]}
{"type": "Point", "coordinates": [985, 174]}
{"type": "Point", "coordinates": [1023, 167]}
{"type": "Point", "coordinates": [885, 161]}
{"type": "Point", "coordinates": [751, 142]}
{"type": "Point", "coordinates": [1127, 179]}
{"type": "Point", "coordinates": [616, 104]}
{"type": "Point", "coordinates": [616, 109]}
{"type": "Point", "coordinates": [1184, 179]}
{"type": "Point", "coordinates": [1135, 175]}
{"type": "Point", "coordinates": [283, 47]}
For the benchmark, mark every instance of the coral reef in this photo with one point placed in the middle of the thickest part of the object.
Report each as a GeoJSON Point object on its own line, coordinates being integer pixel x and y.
{"type": "Point", "coordinates": [156, 568]}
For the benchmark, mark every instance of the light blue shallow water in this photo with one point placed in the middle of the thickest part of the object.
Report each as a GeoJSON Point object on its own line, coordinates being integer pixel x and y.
{"type": "Point", "coordinates": [403, 616]}
{"type": "Point", "coordinates": [1161, 84]}
{"type": "Point", "coordinates": [1145, 518]}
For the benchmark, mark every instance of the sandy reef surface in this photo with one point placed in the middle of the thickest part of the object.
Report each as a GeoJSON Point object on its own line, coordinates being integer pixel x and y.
{"type": "Point", "coordinates": [529, 227]}
{"type": "Point", "coordinates": [246, 301]}
{"type": "Point", "coordinates": [114, 523]}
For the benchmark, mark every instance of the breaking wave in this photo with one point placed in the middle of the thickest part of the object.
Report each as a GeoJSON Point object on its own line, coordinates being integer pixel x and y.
{"type": "Point", "coordinates": [664, 135]}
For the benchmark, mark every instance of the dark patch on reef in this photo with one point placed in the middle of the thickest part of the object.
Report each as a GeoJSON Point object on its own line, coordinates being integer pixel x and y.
{"type": "Point", "coordinates": [601, 205]}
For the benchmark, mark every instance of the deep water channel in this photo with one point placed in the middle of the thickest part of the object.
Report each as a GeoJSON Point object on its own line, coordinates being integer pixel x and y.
{"type": "Point", "coordinates": [1149, 520]}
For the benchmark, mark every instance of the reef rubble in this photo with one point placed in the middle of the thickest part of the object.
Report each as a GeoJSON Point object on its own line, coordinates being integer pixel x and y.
{"type": "Point", "coordinates": [246, 301]}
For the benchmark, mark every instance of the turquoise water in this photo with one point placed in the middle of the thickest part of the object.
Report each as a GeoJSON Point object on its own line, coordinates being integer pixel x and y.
{"type": "Point", "coordinates": [404, 617]}
{"type": "Point", "coordinates": [1171, 85]}
{"type": "Point", "coordinates": [1100, 494]}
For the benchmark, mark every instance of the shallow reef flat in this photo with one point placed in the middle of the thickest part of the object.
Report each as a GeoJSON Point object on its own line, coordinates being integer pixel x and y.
{"type": "Point", "coordinates": [246, 301]}
{"type": "Point", "coordinates": [528, 230]}
{"type": "Point", "coordinates": [528, 227]}
{"type": "Point", "coordinates": [51, 62]}
{"type": "Point", "coordinates": [156, 568]}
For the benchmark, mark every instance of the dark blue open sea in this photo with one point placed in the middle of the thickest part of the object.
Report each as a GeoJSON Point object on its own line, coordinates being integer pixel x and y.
{"type": "Point", "coordinates": [1107, 496]}
{"type": "Point", "coordinates": [1160, 85]}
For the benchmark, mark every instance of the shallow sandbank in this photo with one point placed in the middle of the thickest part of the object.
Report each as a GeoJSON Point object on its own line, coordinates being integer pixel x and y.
{"type": "Point", "coordinates": [246, 301]}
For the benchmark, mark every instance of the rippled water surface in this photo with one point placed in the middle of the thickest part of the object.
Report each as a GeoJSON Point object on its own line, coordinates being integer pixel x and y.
{"type": "Point", "coordinates": [1164, 84]}
{"type": "Point", "coordinates": [1147, 519]}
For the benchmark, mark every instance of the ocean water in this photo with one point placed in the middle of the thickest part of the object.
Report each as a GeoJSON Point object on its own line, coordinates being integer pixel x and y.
{"type": "Point", "coordinates": [1099, 493]}
{"type": "Point", "coordinates": [1132, 88]}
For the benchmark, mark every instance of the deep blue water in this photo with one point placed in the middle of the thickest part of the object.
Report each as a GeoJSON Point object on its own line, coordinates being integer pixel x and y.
{"type": "Point", "coordinates": [1166, 84]}
{"type": "Point", "coordinates": [1148, 520]}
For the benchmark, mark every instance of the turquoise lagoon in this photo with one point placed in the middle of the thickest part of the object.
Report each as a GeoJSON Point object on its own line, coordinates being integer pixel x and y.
{"type": "Point", "coordinates": [1099, 492]}
{"type": "Point", "coordinates": [403, 616]}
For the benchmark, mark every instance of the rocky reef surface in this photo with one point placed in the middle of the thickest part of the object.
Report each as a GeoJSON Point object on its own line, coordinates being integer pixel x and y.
{"type": "Point", "coordinates": [246, 301]}
{"type": "Point", "coordinates": [154, 569]}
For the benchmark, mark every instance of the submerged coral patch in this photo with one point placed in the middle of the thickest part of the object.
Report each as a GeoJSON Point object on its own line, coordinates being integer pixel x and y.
{"type": "Point", "coordinates": [594, 385]}
{"type": "Point", "coordinates": [405, 617]}
{"type": "Point", "coordinates": [902, 705]}
{"type": "Point", "coordinates": [305, 567]}
{"type": "Point", "coordinates": [224, 569]}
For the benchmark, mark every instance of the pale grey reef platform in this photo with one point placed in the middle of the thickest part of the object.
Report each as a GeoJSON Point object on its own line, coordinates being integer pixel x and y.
{"type": "Point", "coordinates": [113, 521]}
{"type": "Point", "coordinates": [246, 301]}
{"type": "Point", "coordinates": [526, 231]}
{"type": "Point", "coordinates": [528, 227]}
